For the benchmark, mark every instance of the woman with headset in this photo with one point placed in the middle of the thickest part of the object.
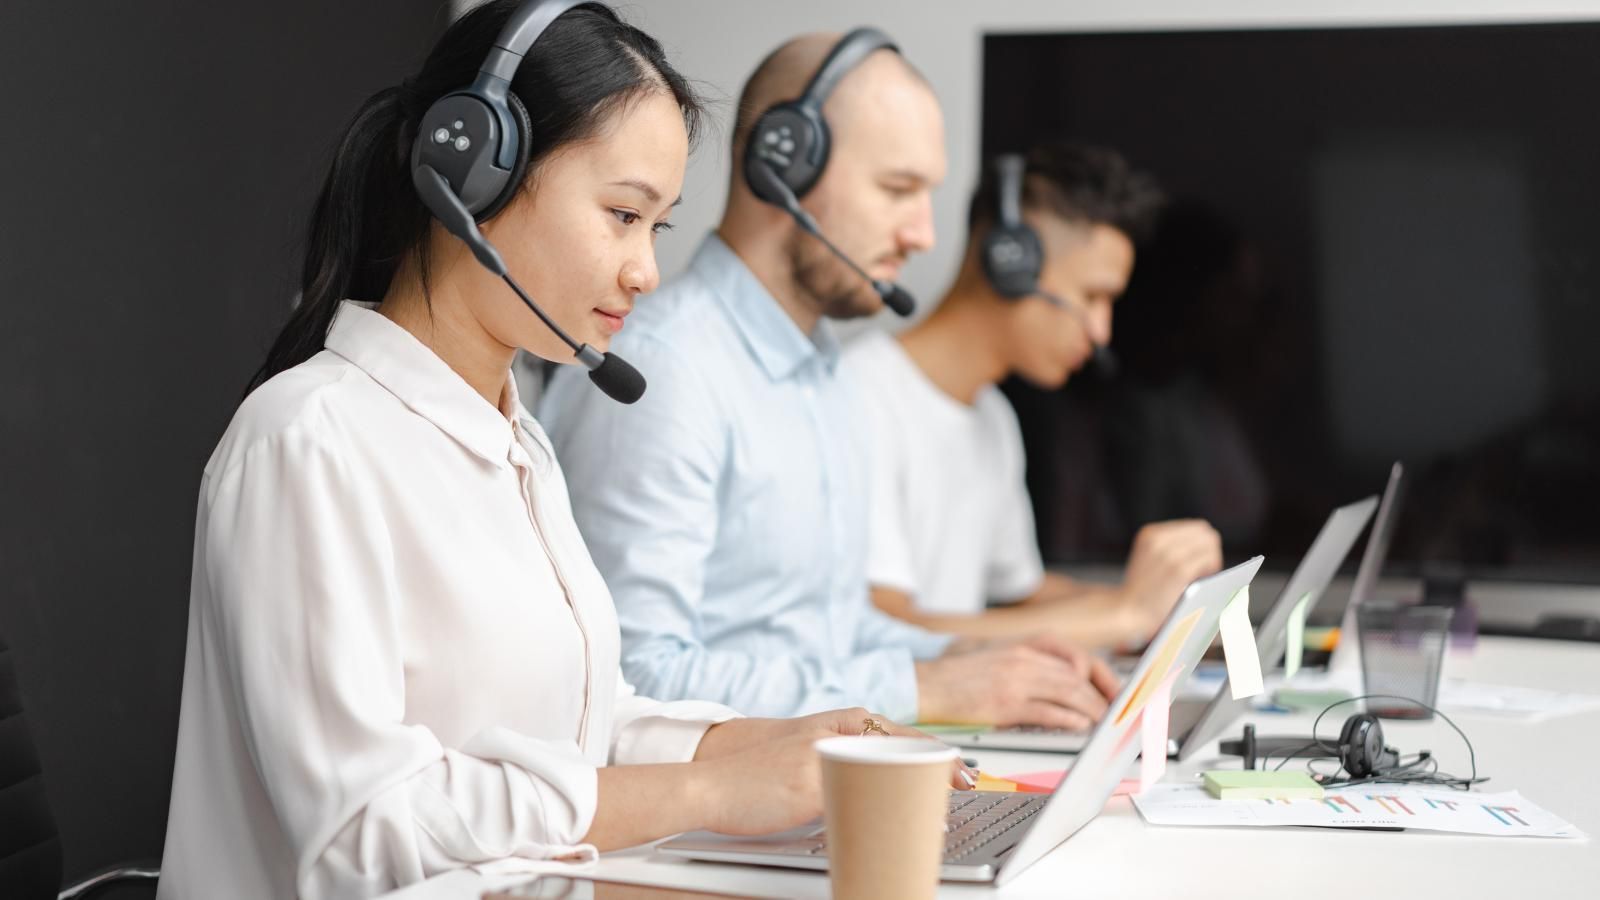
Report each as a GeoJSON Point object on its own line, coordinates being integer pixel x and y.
{"type": "Point", "coordinates": [401, 659]}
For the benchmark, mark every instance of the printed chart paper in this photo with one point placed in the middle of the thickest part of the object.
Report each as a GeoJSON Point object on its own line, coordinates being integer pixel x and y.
{"type": "Point", "coordinates": [1505, 814]}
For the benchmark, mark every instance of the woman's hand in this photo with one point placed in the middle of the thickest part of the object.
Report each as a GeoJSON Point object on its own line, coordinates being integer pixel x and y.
{"type": "Point", "coordinates": [764, 775]}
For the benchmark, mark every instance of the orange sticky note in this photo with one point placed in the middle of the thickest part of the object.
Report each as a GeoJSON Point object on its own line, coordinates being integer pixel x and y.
{"type": "Point", "coordinates": [1161, 668]}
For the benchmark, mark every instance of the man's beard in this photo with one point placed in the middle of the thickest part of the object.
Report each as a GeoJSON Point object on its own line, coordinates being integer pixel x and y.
{"type": "Point", "coordinates": [830, 285]}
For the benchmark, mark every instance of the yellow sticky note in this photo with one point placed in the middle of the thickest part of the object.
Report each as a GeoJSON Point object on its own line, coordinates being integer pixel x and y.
{"type": "Point", "coordinates": [1239, 646]}
{"type": "Point", "coordinates": [987, 782]}
{"type": "Point", "coordinates": [1295, 634]}
{"type": "Point", "coordinates": [1161, 668]}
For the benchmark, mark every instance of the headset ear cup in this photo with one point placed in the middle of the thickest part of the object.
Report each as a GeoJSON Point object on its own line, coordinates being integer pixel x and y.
{"type": "Point", "coordinates": [1012, 260]}
{"type": "Point", "coordinates": [519, 167]}
{"type": "Point", "coordinates": [792, 140]}
{"type": "Point", "coordinates": [1361, 745]}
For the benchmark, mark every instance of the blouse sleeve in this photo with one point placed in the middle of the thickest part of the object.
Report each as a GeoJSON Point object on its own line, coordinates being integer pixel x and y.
{"type": "Point", "coordinates": [653, 731]}
{"type": "Point", "coordinates": [296, 593]}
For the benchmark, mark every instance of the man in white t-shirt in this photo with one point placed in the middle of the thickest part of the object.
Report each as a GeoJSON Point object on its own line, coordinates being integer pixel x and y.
{"type": "Point", "coordinates": [952, 544]}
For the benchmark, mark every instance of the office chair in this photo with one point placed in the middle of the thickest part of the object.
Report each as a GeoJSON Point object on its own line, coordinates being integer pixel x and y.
{"type": "Point", "coordinates": [30, 846]}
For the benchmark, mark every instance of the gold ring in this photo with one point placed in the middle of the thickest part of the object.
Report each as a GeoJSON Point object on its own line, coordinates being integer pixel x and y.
{"type": "Point", "coordinates": [873, 727]}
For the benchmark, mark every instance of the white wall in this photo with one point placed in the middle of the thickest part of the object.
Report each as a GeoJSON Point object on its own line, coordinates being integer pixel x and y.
{"type": "Point", "coordinates": [718, 43]}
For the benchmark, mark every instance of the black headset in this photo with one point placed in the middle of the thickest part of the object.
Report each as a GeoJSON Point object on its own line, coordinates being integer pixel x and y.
{"type": "Point", "coordinates": [1012, 254]}
{"type": "Point", "coordinates": [477, 137]}
{"type": "Point", "coordinates": [792, 138]}
{"type": "Point", "coordinates": [470, 155]}
{"type": "Point", "coordinates": [1361, 750]}
{"type": "Point", "coordinates": [789, 146]}
{"type": "Point", "coordinates": [1361, 753]}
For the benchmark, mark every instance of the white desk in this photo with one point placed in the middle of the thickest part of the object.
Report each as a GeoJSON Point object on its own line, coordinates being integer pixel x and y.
{"type": "Point", "coordinates": [1553, 763]}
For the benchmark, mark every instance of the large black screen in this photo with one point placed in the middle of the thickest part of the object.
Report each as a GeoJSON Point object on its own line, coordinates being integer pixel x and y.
{"type": "Point", "coordinates": [1382, 244]}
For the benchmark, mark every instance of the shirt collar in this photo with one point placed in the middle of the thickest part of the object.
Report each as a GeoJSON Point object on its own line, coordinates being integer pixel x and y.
{"type": "Point", "coordinates": [773, 338]}
{"type": "Point", "coordinates": [426, 384]}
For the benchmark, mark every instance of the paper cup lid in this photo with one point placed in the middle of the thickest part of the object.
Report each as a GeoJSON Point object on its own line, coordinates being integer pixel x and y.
{"type": "Point", "coordinates": [882, 750]}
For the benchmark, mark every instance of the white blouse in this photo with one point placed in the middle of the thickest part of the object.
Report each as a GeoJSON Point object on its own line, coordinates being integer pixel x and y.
{"type": "Point", "coordinates": [401, 659]}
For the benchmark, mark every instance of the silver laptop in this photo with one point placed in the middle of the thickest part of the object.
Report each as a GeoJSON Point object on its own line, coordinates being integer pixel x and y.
{"type": "Point", "coordinates": [995, 836]}
{"type": "Point", "coordinates": [1195, 721]}
{"type": "Point", "coordinates": [1347, 655]}
{"type": "Point", "coordinates": [1310, 579]}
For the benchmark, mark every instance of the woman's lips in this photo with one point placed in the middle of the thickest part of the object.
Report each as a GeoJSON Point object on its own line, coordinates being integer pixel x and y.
{"type": "Point", "coordinates": [613, 321]}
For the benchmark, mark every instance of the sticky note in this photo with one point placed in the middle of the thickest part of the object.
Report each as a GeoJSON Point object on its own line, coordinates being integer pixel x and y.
{"type": "Point", "coordinates": [1161, 667]}
{"type": "Point", "coordinates": [1295, 635]}
{"type": "Point", "coordinates": [1239, 646]}
{"type": "Point", "coordinates": [1045, 782]}
{"type": "Point", "coordinates": [987, 782]}
{"type": "Point", "coordinates": [1294, 698]}
{"type": "Point", "coordinates": [1261, 784]}
{"type": "Point", "coordinates": [1153, 734]}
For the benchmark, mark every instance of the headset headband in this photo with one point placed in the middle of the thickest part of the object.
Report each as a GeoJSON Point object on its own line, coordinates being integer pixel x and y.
{"type": "Point", "coordinates": [1009, 167]}
{"type": "Point", "coordinates": [493, 80]}
{"type": "Point", "coordinates": [519, 34]}
{"type": "Point", "coordinates": [845, 55]}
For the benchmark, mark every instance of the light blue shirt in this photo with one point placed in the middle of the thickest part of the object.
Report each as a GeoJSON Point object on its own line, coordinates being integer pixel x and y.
{"type": "Point", "coordinates": [727, 509]}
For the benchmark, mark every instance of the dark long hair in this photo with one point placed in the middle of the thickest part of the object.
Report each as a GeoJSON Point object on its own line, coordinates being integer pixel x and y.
{"type": "Point", "coordinates": [368, 220]}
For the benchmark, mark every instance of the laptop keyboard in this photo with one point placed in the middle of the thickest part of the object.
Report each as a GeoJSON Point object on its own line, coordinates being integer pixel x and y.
{"type": "Point", "coordinates": [979, 823]}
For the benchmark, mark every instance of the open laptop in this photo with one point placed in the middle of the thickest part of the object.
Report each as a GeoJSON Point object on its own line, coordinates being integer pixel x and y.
{"type": "Point", "coordinates": [994, 836]}
{"type": "Point", "coordinates": [1347, 655]}
{"type": "Point", "coordinates": [1195, 721]}
{"type": "Point", "coordinates": [1195, 725]}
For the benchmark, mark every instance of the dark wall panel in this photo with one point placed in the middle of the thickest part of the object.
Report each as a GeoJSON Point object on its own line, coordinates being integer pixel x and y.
{"type": "Point", "coordinates": [159, 159]}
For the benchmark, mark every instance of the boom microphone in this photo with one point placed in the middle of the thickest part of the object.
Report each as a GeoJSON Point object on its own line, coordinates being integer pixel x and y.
{"type": "Point", "coordinates": [894, 296]}
{"type": "Point", "coordinates": [611, 374]}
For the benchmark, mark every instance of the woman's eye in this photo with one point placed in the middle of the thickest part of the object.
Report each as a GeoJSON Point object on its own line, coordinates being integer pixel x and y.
{"type": "Point", "coordinates": [661, 226]}
{"type": "Point", "coordinates": [626, 217]}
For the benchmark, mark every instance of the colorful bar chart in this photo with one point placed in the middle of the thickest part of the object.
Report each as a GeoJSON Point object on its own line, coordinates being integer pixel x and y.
{"type": "Point", "coordinates": [1391, 803]}
{"type": "Point", "coordinates": [1504, 814]}
{"type": "Point", "coordinates": [1335, 802]}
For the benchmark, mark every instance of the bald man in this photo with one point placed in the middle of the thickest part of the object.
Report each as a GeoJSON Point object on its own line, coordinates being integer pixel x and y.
{"type": "Point", "coordinates": [727, 508]}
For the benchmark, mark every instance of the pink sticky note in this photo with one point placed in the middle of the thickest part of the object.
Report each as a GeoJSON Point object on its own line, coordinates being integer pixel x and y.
{"type": "Point", "coordinates": [1153, 735]}
{"type": "Point", "coordinates": [1045, 782]}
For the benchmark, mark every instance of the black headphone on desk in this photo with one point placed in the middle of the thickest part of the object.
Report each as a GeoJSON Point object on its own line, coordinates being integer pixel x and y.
{"type": "Point", "coordinates": [1361, 750]}
{"type": "Point", "coordinates": [789, 145]}
{"type": "Point", "coordinates": [468, 160]}
{"type": "Point", "coordinates": [1361, 753]}
{"type": "Point", "coordinates": [1012, 255]}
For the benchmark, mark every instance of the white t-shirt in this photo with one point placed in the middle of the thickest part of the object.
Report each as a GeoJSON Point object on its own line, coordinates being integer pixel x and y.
{"type": "Point", "coordinates": [951, 522]}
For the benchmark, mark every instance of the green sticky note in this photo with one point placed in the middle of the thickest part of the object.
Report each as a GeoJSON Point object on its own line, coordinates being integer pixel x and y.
{"type": "Point", "coordinates": [1258, 784]}
{"type": "Point", "coordinates": [1295, 698]}
{"type": "Point", "coordinates": [1295, 633]}
{"type": "Point", "coordinates": [951, 728]}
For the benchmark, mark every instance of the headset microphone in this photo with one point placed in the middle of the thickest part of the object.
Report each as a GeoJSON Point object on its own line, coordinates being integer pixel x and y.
{"type": "Point", "coordinates": [1104, 360]}
{"type": "Point", "coordinates": [611, 374]}
{"type": "Point", "coordinates": [894, 296]}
